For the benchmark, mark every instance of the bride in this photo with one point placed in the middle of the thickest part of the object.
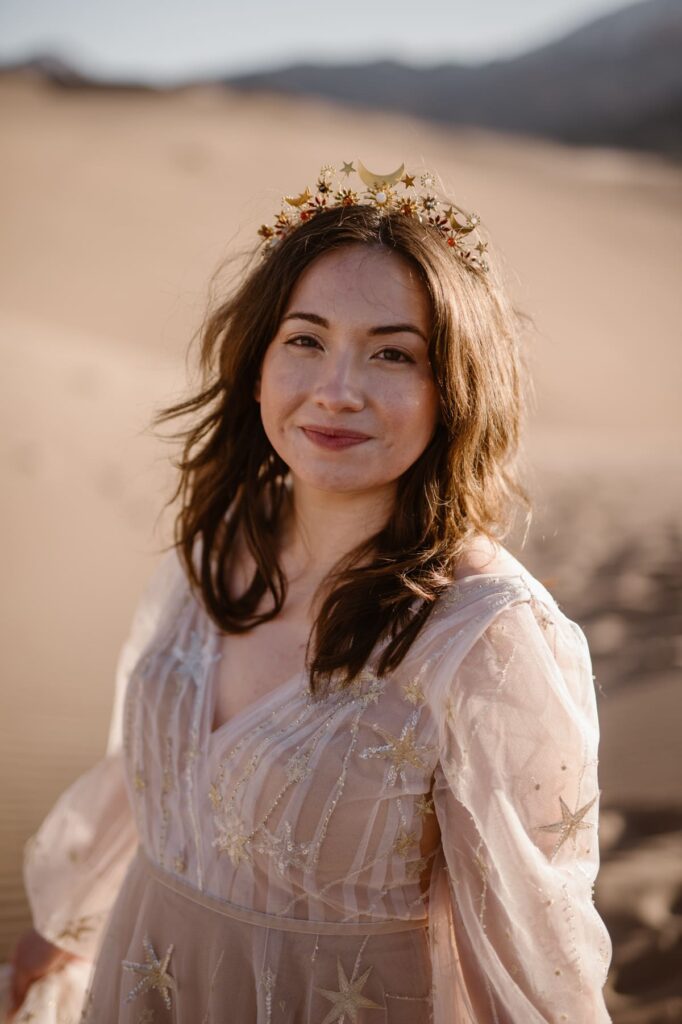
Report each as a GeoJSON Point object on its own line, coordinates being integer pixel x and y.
{"type": "Point", "coordinates": [352, 773]}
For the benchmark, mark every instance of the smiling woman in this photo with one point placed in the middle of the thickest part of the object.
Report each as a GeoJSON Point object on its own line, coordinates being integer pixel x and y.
{"type": "Point", "coordinates": [356, 383]}
{"type": "Point", "coordinates": [352, 766]}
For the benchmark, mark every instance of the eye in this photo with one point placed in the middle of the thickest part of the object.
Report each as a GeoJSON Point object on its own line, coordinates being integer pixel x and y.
{"type": "Point", "coordinates": [392, 353]}
{"type": "Point", "coordinates": [302, 338]}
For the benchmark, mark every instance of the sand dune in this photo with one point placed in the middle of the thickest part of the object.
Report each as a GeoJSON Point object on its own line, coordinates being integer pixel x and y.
{"type": "Point", "coordinates": [116, 209]}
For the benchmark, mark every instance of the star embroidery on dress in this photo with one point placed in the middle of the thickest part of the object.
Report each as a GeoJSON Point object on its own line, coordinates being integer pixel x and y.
{"type": "Point", "coordinates": [413, 692]}
{"type": "Point", "coordinates": [154, 974]}
{"type": "Point", "coordinates": [401, 751]}
{"type": "Point", "coordinates": [543, 617]}
{"type": "Point", "coordinates": [569, 826]}
{"type": "Point", "coordinates": [232, 839]}
{"type": "Point", "coordinates": [415, 868]}
{"type": "Point", "coordinates": [373, 693]}
{"type": "Point", "coordinates": [298, 767]}
{"type": "Point", "coordinates": [348, 999]}
{"type": "Point", "coordinates": [356, 690]}
{"type": "Point", "coordinates": [77, 928]}
{"type": "Point", "coordinates": [194, 659]}
{"type": "Point", "coordinates": [285, 853]}
{"type": "Point", "coordinates": [404, 842]}
{"type": "Point", "coordinates": [424, 805]}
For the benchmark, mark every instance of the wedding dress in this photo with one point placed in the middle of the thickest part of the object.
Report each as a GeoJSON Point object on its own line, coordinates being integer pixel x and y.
{"type": "Point", "coordinates": [417, 848]}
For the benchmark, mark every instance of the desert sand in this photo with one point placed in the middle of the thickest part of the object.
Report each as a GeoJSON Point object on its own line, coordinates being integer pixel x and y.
{"type": "Point", "coordinates": [116, 209]}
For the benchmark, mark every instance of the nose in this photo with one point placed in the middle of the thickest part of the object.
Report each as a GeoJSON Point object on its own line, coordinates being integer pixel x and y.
{"type": "Point", "coordinates": [340, 385]}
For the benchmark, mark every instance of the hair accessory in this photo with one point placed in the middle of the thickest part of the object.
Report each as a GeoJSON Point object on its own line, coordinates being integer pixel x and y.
{"type": "Point", "coordinates": [392, 193]}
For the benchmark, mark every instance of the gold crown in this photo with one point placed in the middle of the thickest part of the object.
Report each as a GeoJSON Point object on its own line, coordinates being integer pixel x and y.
{"type": "Point", "coordinates": [382, 192]}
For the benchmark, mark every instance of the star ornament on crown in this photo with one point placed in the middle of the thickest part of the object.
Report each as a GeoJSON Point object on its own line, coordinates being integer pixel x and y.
{"type": "Point", "coordinates": [391, 193]}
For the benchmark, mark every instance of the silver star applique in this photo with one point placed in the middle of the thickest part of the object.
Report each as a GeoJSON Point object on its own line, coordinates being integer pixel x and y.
{"type": "Point", "coordinates": [232, 838]}
{"type": "Point", "coordinates": [194, 659]}
{"type": "Point", "coordinates": [569, 826]}
{"type": "Point", "coordinates": [154, 974]}
{"type": "Point", "coordinates": [282, 849]}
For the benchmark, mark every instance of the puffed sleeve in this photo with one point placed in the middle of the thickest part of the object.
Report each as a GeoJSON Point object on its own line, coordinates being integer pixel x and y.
{"type": "Point", "coordinates": [516, 938]}
{"type": "Point", "coordinates": [75, 862]}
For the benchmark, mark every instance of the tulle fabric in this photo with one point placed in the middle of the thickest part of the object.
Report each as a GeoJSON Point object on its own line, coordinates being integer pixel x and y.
{"type": "Point", "coordinates": [459, 796]}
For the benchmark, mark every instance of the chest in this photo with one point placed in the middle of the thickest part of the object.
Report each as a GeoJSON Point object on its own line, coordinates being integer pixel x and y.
{"type": "Point", "coordinates": [254, 664]}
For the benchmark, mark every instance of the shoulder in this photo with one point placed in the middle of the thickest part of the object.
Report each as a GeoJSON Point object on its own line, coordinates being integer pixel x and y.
{"type": "Point", "coordinates": [489, 570]}
{"type": "Point", "coordinates": [494, 598]}
{"type": "Point", "coordinates": [483, 555]}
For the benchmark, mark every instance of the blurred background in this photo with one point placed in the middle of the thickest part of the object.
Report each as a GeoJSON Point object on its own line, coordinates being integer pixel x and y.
{"type": "Point", "coordinates": [144, 143]}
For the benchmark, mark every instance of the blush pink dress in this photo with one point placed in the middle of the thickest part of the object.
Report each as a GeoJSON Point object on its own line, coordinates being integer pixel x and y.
{"type": "Point", "coordinates": [417, 848]}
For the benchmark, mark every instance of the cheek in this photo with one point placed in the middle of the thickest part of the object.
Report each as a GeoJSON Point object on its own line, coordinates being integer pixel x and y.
{"type": "Point", "coordinates": [281, 389]}
{"type": "Point", "coordinates": [413, 411]}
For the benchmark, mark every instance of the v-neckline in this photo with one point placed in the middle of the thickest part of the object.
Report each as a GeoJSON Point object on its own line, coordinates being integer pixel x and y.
{"type": "Point", "coordinates": [211, 687]}
{"type": "Point", "coordinates": [254, 705]}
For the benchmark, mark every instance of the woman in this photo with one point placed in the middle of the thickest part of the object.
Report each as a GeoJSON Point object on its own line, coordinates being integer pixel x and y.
{"type": "Point", "coordinates": [355, 739]}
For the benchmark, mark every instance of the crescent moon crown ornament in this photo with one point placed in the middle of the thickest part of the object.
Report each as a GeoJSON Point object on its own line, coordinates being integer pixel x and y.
{"type": "Point", "coordinates": [382, 191]}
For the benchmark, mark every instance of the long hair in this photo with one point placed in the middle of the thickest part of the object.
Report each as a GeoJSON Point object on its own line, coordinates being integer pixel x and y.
{"type": "Point", "coordinates": [464, 483]}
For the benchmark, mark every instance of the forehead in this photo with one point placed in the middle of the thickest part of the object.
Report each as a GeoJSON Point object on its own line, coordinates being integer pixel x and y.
{"type": "Point", "coordinates": [363, 279]}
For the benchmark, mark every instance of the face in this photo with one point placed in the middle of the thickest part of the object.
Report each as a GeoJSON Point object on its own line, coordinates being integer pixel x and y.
{"type": "Point", "coordinates": [346, 390]}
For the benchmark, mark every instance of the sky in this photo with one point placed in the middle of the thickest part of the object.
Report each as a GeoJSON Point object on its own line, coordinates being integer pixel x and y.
{"type": "Point", "coordinates": [164, 40]}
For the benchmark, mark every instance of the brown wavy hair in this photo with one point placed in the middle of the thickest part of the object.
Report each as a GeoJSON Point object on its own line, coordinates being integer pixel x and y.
{"type": "Point", "coordinates": [464, 483]}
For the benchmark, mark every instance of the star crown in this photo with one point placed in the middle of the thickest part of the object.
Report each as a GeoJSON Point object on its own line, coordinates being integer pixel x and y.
{"type": "Point", "coordinates": [383, 192]}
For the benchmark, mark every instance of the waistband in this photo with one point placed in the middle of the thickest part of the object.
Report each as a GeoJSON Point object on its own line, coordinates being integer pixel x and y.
{"type": "Point", "coordinates": [265, 920]}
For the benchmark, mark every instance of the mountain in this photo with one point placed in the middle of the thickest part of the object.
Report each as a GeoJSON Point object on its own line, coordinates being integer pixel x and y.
{"type": "Point", "coordinates": [616, 81]}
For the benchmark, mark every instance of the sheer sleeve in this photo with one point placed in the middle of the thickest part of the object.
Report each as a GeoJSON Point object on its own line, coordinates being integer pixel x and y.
{"type": "Point", "coordinates": [516, 938]}
{"type": "Point", "coordinates": [75, 862]}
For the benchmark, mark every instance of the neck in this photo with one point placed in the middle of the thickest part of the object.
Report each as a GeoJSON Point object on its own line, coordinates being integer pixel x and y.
{"type": "Point", "coordinates": [322, 526]}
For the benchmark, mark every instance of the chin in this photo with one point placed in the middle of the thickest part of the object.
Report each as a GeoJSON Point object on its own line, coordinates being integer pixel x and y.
{"type": "Point", "coordinates": [339, 483]}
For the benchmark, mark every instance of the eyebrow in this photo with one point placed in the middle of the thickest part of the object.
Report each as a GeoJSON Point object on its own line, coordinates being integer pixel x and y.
{"type": "Point", "coordinates": [405, 328]}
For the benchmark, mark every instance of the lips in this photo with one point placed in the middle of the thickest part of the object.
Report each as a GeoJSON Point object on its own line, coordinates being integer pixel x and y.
{"type": "Point", "coordinates": [336, 432]}
{"type": "Point", "coordinates": [334, 438]}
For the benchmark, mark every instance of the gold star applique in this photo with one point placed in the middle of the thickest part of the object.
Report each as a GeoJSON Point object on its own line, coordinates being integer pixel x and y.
{"type": "Point", "coordinates": [401, 751]}
{"type": "Point", "coordinates": [348, 169]}
{"type": "Point", "coordinates": [408, 180]}
{"type": "Point", "coordinates": [413, 692]}
{"type": "Point", "coordinates": [154, 974]}
{"type": "Point", "coordinates": [415, 868]}
{"type": "Point", "coordinates": [424, 805]}
{"type": "Point", "coordinates": [76, 929]}
{"type": "Point", "coordinates": [348, 999]}
{"type": "Point", "coordinates": [404, 842]}
{"type": "Point", "coordinates": [542, 614]}
{"type": "Point", "coordinates": [569, 826]}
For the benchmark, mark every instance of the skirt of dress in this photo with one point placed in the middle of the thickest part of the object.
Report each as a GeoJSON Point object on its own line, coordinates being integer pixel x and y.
{"type": "Point", "coordinates": [172, 955]}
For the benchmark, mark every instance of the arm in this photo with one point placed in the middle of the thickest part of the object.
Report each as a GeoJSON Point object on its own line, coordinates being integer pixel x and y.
{"type": "Point", "coordinates": [516, 795]}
